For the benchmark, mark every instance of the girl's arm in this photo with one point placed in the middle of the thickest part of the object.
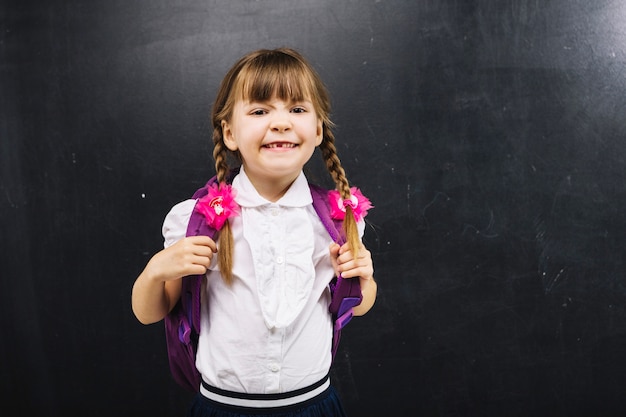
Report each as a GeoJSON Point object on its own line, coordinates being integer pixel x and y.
{"type": "Point", "coordinates": [157, 289]}
{"type": "Point", "coordinates": [369, 288]}
{"type": "Point", "coordinates": [345, 264]}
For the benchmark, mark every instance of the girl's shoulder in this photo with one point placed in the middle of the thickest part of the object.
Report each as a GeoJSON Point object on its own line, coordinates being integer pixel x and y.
{"type": "Point", "coordinates": [175, 223]}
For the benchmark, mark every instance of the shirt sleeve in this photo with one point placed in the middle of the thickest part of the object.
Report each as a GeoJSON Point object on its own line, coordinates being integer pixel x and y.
{"type": "Point", "coordinates": [175, 223]}
{"type": "Point", "coordinates": [361, 227]}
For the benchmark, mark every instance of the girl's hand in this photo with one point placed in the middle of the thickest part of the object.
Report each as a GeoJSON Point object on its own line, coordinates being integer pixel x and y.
{"type": "Point", "coordinates": [189, 256]}
{"type": "Point", "coordinates": [345, 264]}
{"type": "Point", "coordinates": [157, 289]}
{"type": "Point", "coordinates": [362, 267]}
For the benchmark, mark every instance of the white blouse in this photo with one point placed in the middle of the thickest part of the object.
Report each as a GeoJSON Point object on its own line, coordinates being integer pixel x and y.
{"type": "Point", "coordinates": [270, 331]}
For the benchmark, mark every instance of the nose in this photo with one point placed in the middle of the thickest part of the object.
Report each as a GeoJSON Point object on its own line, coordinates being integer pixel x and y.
{"type": "Point", "coordinates": [280, 122]}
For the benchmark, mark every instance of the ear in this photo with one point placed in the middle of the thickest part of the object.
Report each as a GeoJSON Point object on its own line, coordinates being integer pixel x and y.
{"type": "Point", "coordinates": [320, 133]}
{"type": "Point", "coordinates": [227, 135]}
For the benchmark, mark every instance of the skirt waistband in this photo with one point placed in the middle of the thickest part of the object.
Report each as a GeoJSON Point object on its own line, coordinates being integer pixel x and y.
{"type": "Point", "coordinates": [240, 399]}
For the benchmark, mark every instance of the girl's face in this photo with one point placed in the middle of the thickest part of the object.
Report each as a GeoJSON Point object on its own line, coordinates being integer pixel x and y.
{"type": "Point", "coordinates": [275, 139]}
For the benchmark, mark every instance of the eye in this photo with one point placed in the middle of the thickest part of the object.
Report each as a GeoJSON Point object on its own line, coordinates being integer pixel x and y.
{"type": "Point", "coordinates": [298, 109]}
{"type": "Point", "coordinates": [258, 112]}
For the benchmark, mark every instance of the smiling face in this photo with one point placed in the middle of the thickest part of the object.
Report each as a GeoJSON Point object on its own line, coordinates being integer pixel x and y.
{"type": "Point", "coordinates": [274, 138]}
{"type": "Point", "coordinates": [271, 110]}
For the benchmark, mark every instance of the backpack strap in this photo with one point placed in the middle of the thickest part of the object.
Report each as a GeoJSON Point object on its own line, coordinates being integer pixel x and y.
{"type": "Point", "coordinates": [197, 226]}
{"type": "Point", "coordinates": [192, 285]}
{"type": "Point", "coordinates": [182, 324]}
{"type": "Point", "coordinates": [345, 293]}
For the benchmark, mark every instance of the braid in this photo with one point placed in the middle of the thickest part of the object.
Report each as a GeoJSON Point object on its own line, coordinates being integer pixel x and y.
{"type": "Point", "coordinates": [225, 253]}
{"type": "Point", "coordinates": [225, 239]}
{"type": "Point", "coordinates": [333, 164]}
{"type": "Point", "coordinates": [219, 154]}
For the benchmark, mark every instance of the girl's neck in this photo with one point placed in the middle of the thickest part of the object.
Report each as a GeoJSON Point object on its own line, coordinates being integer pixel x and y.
{"type": "Point", "coordinates": [271, 189]}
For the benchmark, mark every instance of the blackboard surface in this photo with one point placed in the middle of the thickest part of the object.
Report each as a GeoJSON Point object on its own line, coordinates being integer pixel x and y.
{"type": "Point", "coordinates": [490, 136]}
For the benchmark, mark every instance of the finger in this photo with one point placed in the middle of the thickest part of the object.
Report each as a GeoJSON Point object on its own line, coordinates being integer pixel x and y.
{"type": "Point", "coordinates": [205, 251]}
{"type": "Point", "coordinates": [363, 257]}
{"type": "Point", "coordinates": [333, 249]}
{"type": "Point", "coordinates": [197, 270]}
{"type": "Point", "coordinates": [352, 263]}
{"type": "Point", "coordinates": [351, 266]}
{"type": "Point", "coordinates": [197, 265]}
{"type": "Point", "coordinates": [360, 271]}
{"type": "Point", "coordinates": [203, 241]}
{"type": "Point", "coordinates": [203, 261]}
{"type": "Point", "coordinates": [345, 248]}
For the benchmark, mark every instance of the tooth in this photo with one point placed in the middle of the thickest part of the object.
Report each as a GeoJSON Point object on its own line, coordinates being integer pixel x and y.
{"type": "Point", "coordinates": [280, 145]}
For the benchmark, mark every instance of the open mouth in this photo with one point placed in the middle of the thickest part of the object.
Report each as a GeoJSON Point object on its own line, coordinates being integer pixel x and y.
{"type": "Point", "coordinates": [276, 145]}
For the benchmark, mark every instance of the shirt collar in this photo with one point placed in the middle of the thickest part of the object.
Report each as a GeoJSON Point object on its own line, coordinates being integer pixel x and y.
{"type": "Point", "coordinates": [298, 194]}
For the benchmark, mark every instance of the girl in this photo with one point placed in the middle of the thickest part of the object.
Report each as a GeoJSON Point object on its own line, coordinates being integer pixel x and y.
{"type": "Point", "coordinates": [265, 344]}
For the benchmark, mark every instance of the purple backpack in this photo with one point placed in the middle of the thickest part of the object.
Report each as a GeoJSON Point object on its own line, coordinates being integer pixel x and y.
{"type": "Point", "coordinates": [182, 324]}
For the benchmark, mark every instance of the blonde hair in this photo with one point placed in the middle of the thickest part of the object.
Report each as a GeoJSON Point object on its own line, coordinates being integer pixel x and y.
{"type": "Point", "coordinates": [260, 76]}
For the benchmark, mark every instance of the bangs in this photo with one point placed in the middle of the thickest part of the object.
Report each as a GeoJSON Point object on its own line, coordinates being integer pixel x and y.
{"type": "Point", "coordinates": [267, 74]}
{"type": "Point", "coordinates": [275, 75]}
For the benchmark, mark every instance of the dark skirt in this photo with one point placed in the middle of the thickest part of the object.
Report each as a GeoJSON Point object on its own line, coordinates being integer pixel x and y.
{"type": "Point", "coordinates": [326, 404]}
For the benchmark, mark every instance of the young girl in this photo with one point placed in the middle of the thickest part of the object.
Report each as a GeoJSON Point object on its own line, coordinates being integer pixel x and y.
{"type": "Point", "coordinates": [265, 343]}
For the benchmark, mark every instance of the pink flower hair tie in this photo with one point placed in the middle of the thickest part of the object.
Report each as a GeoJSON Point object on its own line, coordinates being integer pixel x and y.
{"type": "Point", "coordinates": [218, 205]}
{"type": "Point", "coordinates": [357, 202]}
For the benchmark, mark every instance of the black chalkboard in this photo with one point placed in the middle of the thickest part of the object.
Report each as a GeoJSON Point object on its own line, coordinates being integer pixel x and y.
{"type": "Point", "coordinates": [490, 136]}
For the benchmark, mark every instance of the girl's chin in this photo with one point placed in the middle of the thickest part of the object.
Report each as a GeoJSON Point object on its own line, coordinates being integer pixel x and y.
{"type": "Point", "coordinates": [274, 171]}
